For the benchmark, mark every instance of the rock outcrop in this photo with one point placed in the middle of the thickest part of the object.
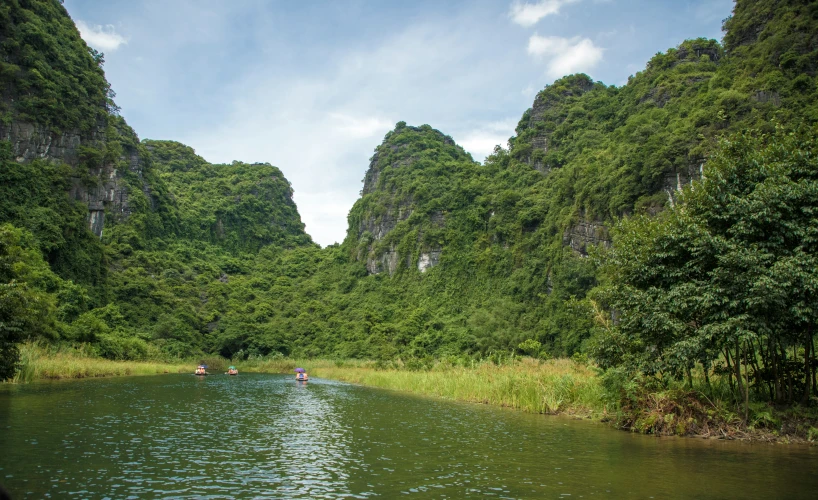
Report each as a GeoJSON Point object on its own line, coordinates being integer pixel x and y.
{"type": "Point", "coordinates": [30, 141]}
{"type": "Point", "coordinates": [100, 187]}
{"type": "Point", "coordinates": [547, 113]}
{"type": "Point", "coordinates": [584, 234]}
{"type": "Point", "coordinates": [676, 180]}
{"type": "Point", "coordinates": [428, 260]}
{"type": "Point", "coordinates": [389, 202]}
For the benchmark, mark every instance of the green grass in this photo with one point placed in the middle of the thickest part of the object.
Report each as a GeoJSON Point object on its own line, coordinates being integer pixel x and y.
{"type": "Point", "coordinates": [558, 386]}
{"type": "Point", "coordinates": [553, 386]}
{"type": "Point", "coordinates": [39, 362]}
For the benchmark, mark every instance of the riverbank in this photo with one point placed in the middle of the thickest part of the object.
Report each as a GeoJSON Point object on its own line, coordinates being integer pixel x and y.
{"type": "Point", "coordinates": [567, 387]}
{"type": "Point", "coordinates": [554, 387]}
{"type": "Point", "coordinates": [39, 362]}
{"type": "Point", "coordinates": [549, 387]}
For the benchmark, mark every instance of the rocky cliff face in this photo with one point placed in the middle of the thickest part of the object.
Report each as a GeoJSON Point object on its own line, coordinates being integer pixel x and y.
{"type": "Point", "coordinates": [584, 234]}
{"type": "Point", "coordinates": [57, 107]}
{"type": "Point", "coordinates": [548, 112]}
{"type": "Point", "coordinates": [30, 141]}
{"type": "Point", "coordinates": [392, 219]}
{"type": "Point", "coordinates": [101, 186]}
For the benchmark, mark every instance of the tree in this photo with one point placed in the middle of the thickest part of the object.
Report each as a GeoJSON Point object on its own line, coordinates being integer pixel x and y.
{"type": "Point", "coordinates": [728, 273]}
{"type": "Point", "coordinates": [25, 311]}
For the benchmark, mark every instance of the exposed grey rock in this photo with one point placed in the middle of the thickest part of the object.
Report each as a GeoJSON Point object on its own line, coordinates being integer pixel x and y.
{"type": "Point", "coordinates": [108, 192]}
{"type": "Point", "coordinates": [684, 52]}
{"type": "Point", "coordinates": [387, 261]}
{"type": "Point", "coordinates": [30, 141]}
{"type": "Point", "coordinates": [584, 234]}
{"type": "Point", "coordinates": [381, 226]}
{"type": "Point", "coordinates": [767, 96]}
{"type": "Point", "coordinates": [676, 180]}
{"type": "Point", "coordinates": [428, 260]}
{"type": "Point", "coordinates": [657, 95]}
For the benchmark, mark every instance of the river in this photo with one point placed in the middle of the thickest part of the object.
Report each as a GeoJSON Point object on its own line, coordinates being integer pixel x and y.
{"type": "Point", "coordinates": [268, 436]}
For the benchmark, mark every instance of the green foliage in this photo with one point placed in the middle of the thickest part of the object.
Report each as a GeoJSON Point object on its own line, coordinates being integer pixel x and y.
{"type": "Point", "coordinates": [240, 207]}
{"type": "Point", "coordinates": [34, 196]}
{"type": "Point", "coordinates": [729, 272]}
{"type": "Point", "coordinates": [210, 258]}
{"type": "Point", "coordinates": [26, 310]}
{"type": "Point", "coordinates": [530, 347]}
{"type": "Point", "coordinates": [47, 72]}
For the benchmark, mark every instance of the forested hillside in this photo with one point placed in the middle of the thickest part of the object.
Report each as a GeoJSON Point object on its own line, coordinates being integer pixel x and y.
{"type": "Point", "coordinates": [103, 243]}
{"type": "Point", "coordinates": [143, 249]}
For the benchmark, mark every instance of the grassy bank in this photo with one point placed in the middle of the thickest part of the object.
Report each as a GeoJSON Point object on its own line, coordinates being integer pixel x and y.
{"type": "Point", "coordinates": [563, 386]}
{"type": "Point", "coordinates": [39, 362]}
{"type": "Point", "coordinates": [554, 386]}
{"type": "Point", "coordinates": [559, 386]}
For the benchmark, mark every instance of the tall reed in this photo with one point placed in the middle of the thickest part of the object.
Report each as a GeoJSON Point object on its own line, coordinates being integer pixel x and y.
{"type": "Point", "coordinates": [59, 362]}
{"type": "Point", "coordinates": [554, 386]}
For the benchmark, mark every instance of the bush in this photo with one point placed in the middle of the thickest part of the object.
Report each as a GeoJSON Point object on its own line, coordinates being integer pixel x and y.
{"type": "Point", "coordinates": [122, 348]}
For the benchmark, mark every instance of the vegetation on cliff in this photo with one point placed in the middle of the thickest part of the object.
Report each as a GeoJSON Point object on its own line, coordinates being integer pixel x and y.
{"type": "Point", "coordinates": [727, 279]}
{"type": "Point", "coordinates": [48, 74]}
{"type": "Point", "coordinates": [445, 258]}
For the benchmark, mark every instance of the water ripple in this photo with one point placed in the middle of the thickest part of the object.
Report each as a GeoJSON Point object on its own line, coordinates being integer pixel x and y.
{"type": "Point", "coordinates": [262, 436]}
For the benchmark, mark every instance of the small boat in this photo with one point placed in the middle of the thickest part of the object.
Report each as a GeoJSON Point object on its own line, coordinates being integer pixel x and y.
{"type": "Point", "coordinates": [232, 371]}
{"type": "Point", "coordinates": [201, 371]}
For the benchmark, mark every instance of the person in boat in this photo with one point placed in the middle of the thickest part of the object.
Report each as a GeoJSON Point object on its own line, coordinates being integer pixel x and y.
{"type": "Point", "coordinates": [300, 374]}
{"type": "Point", "coordinates": [232, 371]}
{"type": "Point", "coordinates": [200, 370]}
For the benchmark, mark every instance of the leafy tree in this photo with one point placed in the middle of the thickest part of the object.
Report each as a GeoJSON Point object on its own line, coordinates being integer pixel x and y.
{"type": "Point", "coordinates": [25, 311]}
{"type": "Point", "coordinates": [728, 274]}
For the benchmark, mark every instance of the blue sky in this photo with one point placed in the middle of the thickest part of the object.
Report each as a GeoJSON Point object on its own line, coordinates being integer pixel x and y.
{"type": "Point", "coordinates": [313, 86]}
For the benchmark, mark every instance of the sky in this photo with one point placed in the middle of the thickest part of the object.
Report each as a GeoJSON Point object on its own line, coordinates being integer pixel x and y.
{"type": "Point", "coordinates": [312, 87]}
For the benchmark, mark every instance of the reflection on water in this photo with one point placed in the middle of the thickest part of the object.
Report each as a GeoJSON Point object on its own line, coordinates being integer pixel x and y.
{"type": "Point", "coordinates": [269, 436]}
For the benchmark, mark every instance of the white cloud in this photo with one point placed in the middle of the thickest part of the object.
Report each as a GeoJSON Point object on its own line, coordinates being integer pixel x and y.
{"type": "Point", "coordinates": [529, 91]}
{"type": "Point", "coordinates": [566, 55]}
{"type": "Point", "coordinates": [481, 143]}
{"type": "Point", "coordinates": [481, 140]}
{"type": "Point", "coordinates": [321, 129]}
{"type": "Point", "coordinates": [529, 14]}
{"type": "Point", "coordinates": [103, 38]}
{"type": "Point", "coordinates": [360, 127]}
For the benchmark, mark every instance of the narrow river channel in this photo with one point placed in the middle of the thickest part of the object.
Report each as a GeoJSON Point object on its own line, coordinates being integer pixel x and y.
{"type": "Point", "coordinates": [268, 436]}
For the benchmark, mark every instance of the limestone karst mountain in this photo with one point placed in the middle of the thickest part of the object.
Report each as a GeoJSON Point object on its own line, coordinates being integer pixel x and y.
{"type": "Point", "coordinates": [153, 251]}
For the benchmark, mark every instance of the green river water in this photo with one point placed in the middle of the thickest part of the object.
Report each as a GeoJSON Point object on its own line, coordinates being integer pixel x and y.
{"type": "Point", "coordinates": [268, 436]}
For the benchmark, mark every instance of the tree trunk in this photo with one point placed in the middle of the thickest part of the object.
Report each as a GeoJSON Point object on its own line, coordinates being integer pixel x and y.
{"type": "Point", "coordinates": [746, 384]}
{"type": "Point", "coordinates": [807, 367]}
{"type": "Point", "coordinates": [814, 382]}
{"type": "Point", "coordinates": [786, 374]}
{"type": "Point", "coordinates": [706, 368]}
{"type": "Point", "coordinates": [756, 368]}
{"type": "Point", "coordinates": [776, 380]}
{"type": "Point", "coordinates": [737, 366]}
{"type": "Point", "coordinates": [765, 359]}
{"type": "Point", "coordinates": [729, 370]}
{"type": "Point", "coordinates": [689, 378]}
{"type": "Point", "coordinates": [792, 375]}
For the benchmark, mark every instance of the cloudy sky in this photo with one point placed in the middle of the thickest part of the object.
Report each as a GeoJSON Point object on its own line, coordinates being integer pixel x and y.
{"type": "Point", "coordinates": [313, 86]}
